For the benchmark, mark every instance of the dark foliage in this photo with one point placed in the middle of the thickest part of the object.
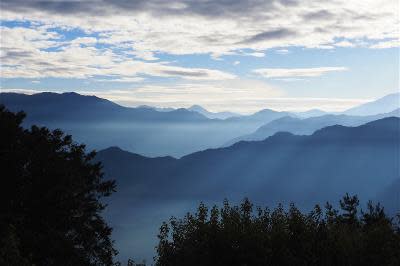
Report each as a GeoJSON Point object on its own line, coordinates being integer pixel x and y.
{"type": "Point", "coordinates": [50, 199]}
{"type": "Point", "coordinates": [240, 235]}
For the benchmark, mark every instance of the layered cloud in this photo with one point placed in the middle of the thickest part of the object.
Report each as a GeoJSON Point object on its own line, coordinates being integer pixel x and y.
{"type": "Point", "coordinates": [119, 30]}
{"type": "Point", "coordinates": [218, 26]}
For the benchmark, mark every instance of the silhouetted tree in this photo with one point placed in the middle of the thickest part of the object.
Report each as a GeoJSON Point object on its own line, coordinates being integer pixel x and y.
{"type": "Point", "coordinates": [242, 235]}
{"type": "Point", "coordinates": [50, 199]}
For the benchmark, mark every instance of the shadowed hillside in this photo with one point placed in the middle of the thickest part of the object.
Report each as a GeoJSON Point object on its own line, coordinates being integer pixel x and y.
{"type": "Point", "coordinates": [285, 167]}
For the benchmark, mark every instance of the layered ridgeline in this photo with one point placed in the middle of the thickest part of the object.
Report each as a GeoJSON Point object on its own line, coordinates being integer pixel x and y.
{"type": "Point", "coordinates": [308, 122]}
{"type": "Point", "coordinates": [361, 160]}
{"type": "Point", "coordinates": [71, 107]}
{"type": "Point", "coordinates": [101, 123]}
{"type": "Point", "coordinates": [165, 131]}
{"type": "Point", "coordinates": [308, 126]}
{"type": "Point", "coordinates": [283, 168]}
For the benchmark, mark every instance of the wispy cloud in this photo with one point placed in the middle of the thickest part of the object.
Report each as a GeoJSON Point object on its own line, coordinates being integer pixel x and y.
{"type": "Point", "coordinates": [296, 72]}
{"type": "Point", "coordinates": [36, 53]}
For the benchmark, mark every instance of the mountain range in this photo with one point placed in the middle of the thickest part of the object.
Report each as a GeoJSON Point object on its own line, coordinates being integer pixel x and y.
{"type": "Point", "coordinates": [382, 105]}
{"type": "Point", "coordinates": [283, 168]}
{"type": "Point", "coordinates": [101, 123]}
{"type": "Point", "coordinates": [308, 126]}
{"type": "Point", "coordinates": [72, 107]}
{"type": "Point", "coordinates": [368, 154]}
{"type": "Point", "coordinates": [154, 131]}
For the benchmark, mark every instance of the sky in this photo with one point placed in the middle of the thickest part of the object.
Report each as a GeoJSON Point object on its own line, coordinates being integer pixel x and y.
{"type": "Point", "coordinates": [233, 55]}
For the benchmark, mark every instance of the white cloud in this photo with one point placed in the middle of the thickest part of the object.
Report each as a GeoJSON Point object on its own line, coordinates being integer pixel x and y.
{"type": "Point", "coordinates": [128, 33]}
{"type": "Point", "coordinates": [345, 44]}
{"type": "Point", "coordinates": [145, 55]}
{"type": "Point", "coordinates": [35, 53]}
{"type": "Point", "coordinates": [255, 54]}
{"type": "Point", "coordinates": [296, 72]}
{"type": "Point", "coordinates": [83, 41]}
{"type": "Point", "coordinates": [236, 63]}
{"type": "Point", "coordinates": [282, 51]}
{"type": "Point", "coordinates": [217, 27]}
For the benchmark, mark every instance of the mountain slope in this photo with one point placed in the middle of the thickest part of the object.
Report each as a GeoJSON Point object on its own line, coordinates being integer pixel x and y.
{"type": "Point", "coordinates": [383, 105]}
{"type": "Point", "coordinates": [326, 164]}
{"type": "Point", "coordinates": [307, 126]}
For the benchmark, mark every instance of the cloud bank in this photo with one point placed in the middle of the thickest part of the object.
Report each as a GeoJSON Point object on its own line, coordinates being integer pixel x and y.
{"type": "Point", "coordinates": [114, 32]}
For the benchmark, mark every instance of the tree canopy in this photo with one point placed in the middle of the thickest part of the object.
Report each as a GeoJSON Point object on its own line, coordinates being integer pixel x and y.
{"type": "Point", "coordinates": [51, 191]}
{"type": "Point", "coordinates": [244, 235]}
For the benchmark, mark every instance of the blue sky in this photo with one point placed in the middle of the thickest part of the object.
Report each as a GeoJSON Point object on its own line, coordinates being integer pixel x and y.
{"type": "Point", "coordinates": [225, 55]}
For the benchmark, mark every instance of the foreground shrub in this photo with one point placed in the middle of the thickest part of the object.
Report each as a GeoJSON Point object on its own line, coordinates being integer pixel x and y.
{"type": "Point", "coordinates": [242, 235]}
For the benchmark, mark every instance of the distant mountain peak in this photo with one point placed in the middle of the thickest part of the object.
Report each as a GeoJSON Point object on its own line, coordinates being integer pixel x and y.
{"type": "Point", "coordinates": [310, 113]}
{"type": "Point", "coordinates": [382, 105]}
{"type": "Point", "coordinates": [263, 111]}
{"type": "Point", "coordinates": [72, 93]}
{"type": "Point", "coordinates": [212, 115]}
{"type": "Point", "coordinates": [197, 107]}
{"type": "Point", "coordinates": [113, 149]}
{"type": "Point", "coordinates": [282, 134]}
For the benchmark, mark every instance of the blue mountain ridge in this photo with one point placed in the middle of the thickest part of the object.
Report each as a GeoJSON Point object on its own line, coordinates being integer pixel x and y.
{"type": "Point", "coordinates": [101, 123]}
{"type": "Point", "coordinates": [284, 168]}
{"type": "Point", "coordinates": [308, 125]}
